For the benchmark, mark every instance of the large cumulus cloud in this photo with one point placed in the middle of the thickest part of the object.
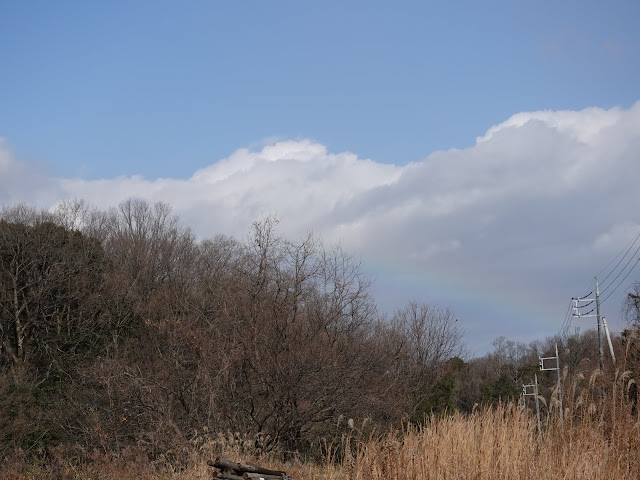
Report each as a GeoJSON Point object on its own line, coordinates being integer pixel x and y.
{"type": "Point", "coordinates": [534, 208]}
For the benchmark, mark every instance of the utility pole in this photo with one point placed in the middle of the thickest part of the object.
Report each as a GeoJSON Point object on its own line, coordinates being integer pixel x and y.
{"type": "Point", "coordinates": [599, 328]}
{"type": "Point", "coordinates": [557, 369]}
{"type": "Point", "coordinates": [576, 313]}
{"type": "Point", "coordinates": [526, 393]}
{"type": "Point", "coordinates": [606, 329]}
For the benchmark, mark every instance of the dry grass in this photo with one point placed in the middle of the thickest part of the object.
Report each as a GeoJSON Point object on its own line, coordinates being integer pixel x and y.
{"type": "Point", "coordinates": [599, 439]}
{"type": "Point", "coordinates": [499, 444]}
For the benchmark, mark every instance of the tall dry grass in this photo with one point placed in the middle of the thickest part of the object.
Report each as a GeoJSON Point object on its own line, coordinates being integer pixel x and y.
{"type": "Point", "coordinates": [500, 443]}
{"type": "Point", "coordinates": [599, 439]}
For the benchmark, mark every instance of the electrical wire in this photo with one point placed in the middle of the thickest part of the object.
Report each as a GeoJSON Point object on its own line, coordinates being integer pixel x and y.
{"type": "Point", "coordinates": [620, 283]}
{"type": "Point", "coordinates": [583, 296]}
{"type": "Point", "coordinates": [619, 261]}
{"type": "Point", "coordinates": [569, 316]}
{"type": "Point", "coordinates": [586, 304]}
{"type": "Point", "coordinates": [566, 323]}
{"type": "Point", "coordinates": [621, 271]}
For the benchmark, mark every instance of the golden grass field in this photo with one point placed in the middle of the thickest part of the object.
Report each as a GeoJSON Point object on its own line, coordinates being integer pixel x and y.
{"type": "Point", "coordinates": [599, 439]}
{"type": "Point", "coordinates": [500, 443]}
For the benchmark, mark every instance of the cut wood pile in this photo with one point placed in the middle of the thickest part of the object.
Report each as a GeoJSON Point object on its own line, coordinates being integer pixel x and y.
{"type": "Point", "coordinates": [229, 470]}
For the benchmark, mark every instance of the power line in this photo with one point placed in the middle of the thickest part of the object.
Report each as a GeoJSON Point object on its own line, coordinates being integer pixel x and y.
{"type": "Point", "coordinates": [586, 304]}
{"type": "Point", "coordinates": [621, 281]}
{"type": "Point", "coordinates": [566, 323]}
{"type": "Point", "coordinates": [623, 269]}
{"type": "Point", "coordinates": [619, 261]}
{"type": "Point", "coordinates": [584, 296]}
{"type": "Point", "coordinates": [574, 303]}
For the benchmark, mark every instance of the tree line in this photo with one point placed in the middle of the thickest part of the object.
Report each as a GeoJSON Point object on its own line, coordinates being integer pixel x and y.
{"type": "Point", "coordinates": [119, 329]}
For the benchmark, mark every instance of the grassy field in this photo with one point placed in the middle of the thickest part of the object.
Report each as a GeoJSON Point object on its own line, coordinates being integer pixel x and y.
{"type": "Point", "coordinates": [599, 439]}
{"type": "Point", "coordinates": [501, 443]}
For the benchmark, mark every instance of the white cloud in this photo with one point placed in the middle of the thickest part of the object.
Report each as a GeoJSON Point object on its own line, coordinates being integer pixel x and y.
{"type": "Point", "coordinates": [584, 125]}
{"type": "Point", "coordinates": [299, 181]}
{"type": "Point", "coordinates": [20, 182]}
{"type": "Point", "coordinates": [618, 238]}
{"type": "Point", "coordinates": [539, 202]}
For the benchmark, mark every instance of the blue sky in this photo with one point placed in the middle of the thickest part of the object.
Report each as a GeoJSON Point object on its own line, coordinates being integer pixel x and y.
{"type": "Point", "coordinates": [162, 88]}
{"type": "Point", "coordinates": [383, 100]}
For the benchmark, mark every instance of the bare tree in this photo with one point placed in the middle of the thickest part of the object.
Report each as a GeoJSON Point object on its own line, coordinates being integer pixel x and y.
{"type": "Point", "coordinates": [50, 280]}
{"type": "Point", "coordinates": [431, 337]}
{"type": "Point", "coordinates": [631, 306]}
{"type": "Point", "coordinates": [433, 334]}
{"type": "Point", "coordinates": [301, 325]}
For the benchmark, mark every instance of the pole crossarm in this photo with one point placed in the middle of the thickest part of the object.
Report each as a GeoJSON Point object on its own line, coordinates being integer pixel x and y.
{"type": "Point", "coordinates": [576, 305]}
{"type": "Point", "coordinates": [555, 368]}
{"type": "Point", "coordinates": [576, 301]}
{"type": "Point", "coordinates": [543, 368]}
{"type": "Point", "coordinates": [534, 394]}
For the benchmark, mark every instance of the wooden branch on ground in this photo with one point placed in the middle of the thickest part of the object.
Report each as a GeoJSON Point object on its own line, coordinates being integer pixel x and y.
{"type": "Point", "coordinates": [230, 470]}
{"type": "Point", "coordinates": [227, 476]}
{"type": "Point", "coordinates": [262, 476]}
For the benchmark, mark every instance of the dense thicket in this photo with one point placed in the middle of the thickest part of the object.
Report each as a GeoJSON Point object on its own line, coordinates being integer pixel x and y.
{"type": "Point", "coordinates": [119, 329]}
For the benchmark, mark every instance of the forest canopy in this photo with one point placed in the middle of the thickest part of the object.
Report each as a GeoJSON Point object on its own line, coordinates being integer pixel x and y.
{"type": "Point", "coordinates": [120, 329]}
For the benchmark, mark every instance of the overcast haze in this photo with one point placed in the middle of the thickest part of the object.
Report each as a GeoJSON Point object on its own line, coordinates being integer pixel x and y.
{"type": "Point", "coordinates": [478, 156]}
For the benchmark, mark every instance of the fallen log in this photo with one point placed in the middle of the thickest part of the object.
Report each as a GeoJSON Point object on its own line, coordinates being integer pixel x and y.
{"type": "Point", "coordinates": [230, 470]}
{"type": "Point", "coordinates": [227, 476]}
{"type": "Point", "coordinates": [221, 462]}
{"type": "Point", "coordinates": [263, 476]}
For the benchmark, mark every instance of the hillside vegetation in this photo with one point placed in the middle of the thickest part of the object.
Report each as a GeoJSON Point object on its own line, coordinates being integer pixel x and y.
{"type": "Point", "coordinates": [131, 349]}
